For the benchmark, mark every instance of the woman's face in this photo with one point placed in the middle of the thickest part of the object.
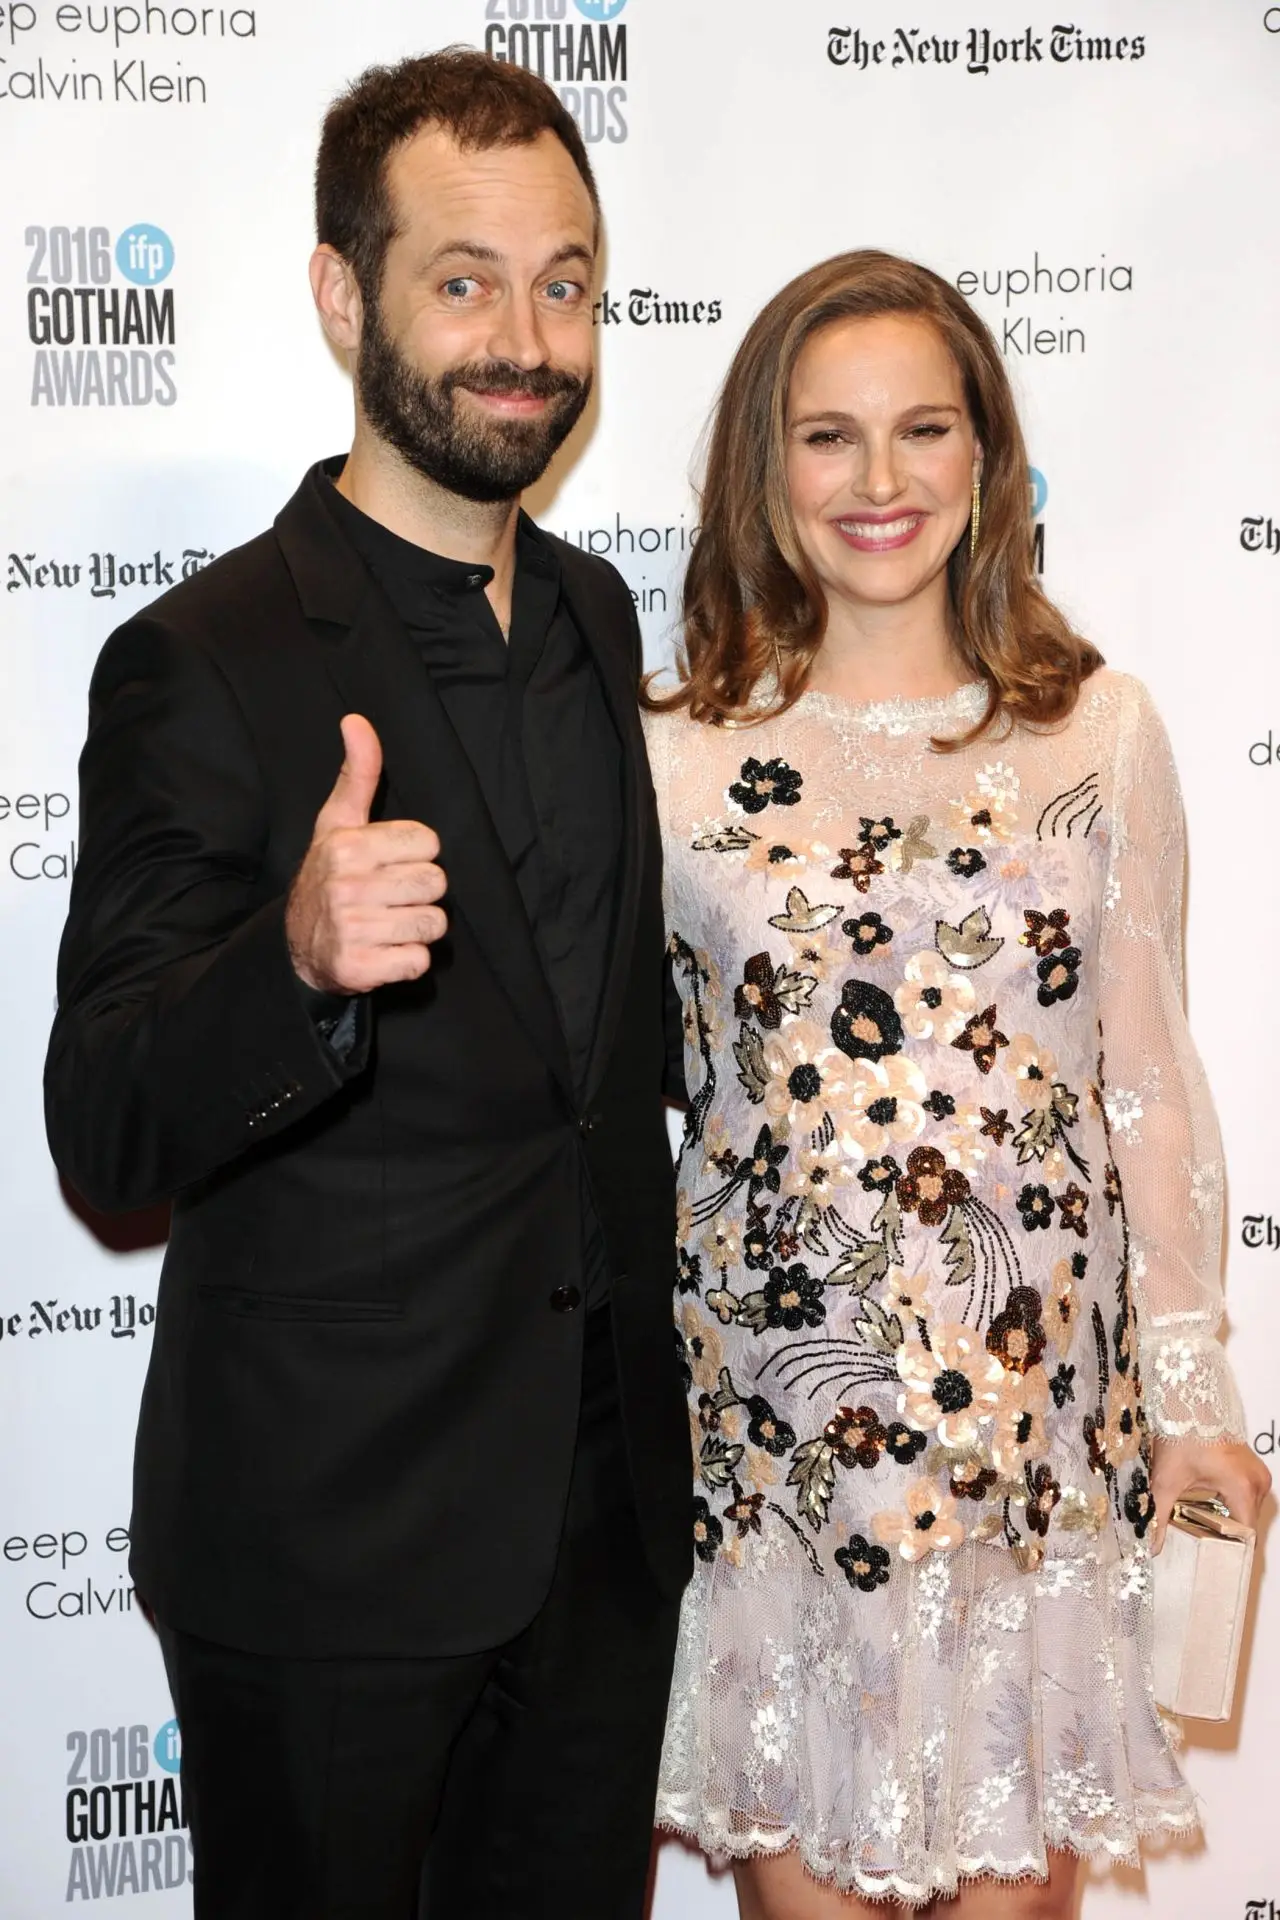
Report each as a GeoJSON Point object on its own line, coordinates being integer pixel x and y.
{"type": "Point", "coordinates": [880, 459]}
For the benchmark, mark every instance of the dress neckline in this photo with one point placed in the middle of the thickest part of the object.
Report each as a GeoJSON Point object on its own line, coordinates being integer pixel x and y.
{"type": "Point", "coordinates": [933, 715]}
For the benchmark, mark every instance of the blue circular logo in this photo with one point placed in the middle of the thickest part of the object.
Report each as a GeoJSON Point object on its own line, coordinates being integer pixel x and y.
{"type": "Point", "coordinates": [167, 1747]}
{"type": "Point", "coordinates": [601, 9]}
{"type": "Point", "coordinates": [1039, 491]}
{"type": "Point", "coordinates": [144, 255]}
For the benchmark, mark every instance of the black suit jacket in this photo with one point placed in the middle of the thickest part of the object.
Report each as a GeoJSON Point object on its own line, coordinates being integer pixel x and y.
{"type": "Point", "coordinates": [359, 1419]}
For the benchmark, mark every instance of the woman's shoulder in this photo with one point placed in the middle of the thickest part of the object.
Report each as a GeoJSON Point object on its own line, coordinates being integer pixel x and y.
{"type": "Point", "coordinates": [667, 731]}
{"type": "Point", "coordinates": [673, 729]}
{"type": "Point", "coordinates": [1112, 704]}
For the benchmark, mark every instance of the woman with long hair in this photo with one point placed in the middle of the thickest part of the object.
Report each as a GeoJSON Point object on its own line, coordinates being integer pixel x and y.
{"type": "Point", "coordinates": [950, 1187]}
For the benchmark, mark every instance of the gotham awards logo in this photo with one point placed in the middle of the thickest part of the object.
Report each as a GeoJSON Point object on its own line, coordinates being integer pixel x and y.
{"type": "Point", "coordinates": [578, 46]}
{"type": "Point", "coordinates": [101, 316]}
{"type": "Point", "coordinates": [125, 1812]}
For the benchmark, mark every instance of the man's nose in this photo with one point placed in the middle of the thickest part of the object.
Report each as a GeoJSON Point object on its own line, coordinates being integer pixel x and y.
{"type": "Point", "coordinates": [517, 334]}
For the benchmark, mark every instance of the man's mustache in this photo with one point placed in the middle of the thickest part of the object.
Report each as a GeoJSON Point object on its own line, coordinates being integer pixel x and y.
{"type": "Point", "coordinates": [501, 377]}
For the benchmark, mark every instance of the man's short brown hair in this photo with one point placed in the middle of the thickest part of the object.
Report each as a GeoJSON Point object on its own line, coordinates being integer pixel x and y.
{"type": "Point", "coordinates": [481, 102]}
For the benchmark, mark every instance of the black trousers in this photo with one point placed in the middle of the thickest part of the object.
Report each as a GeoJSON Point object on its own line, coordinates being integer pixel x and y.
{"type": "Point", "coordinates": [513, 1784]}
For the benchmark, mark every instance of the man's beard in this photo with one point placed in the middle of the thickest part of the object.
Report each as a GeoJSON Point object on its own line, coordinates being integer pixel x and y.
{"type": "Point", "coordinates": [485, 460]}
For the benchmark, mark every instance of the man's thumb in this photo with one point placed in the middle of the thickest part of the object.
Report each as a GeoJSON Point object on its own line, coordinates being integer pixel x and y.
{"type": "Point", "coordinates": [357, 782]}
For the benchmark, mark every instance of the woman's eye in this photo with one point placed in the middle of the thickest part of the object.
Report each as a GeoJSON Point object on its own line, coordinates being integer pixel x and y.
{"type": "Point", "coordinates": [824, 437]}
{"type": "Point", "coordinates": [928, 431]}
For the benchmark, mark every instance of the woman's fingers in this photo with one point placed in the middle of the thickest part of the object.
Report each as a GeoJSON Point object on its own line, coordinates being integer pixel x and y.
{"type": "Point", "coordinates": [1233, 1471]}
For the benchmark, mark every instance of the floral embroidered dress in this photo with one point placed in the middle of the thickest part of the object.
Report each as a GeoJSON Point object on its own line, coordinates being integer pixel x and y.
{"type": "Point", "coordinates": [948, 1245]}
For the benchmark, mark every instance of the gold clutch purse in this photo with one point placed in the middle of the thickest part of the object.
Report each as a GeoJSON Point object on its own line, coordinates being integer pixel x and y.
{"type": "Point", "coordinates": [1201, 1579]}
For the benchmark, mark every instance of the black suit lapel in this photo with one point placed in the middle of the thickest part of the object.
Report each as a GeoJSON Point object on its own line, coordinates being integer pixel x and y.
{"type": "Point", "coordinates": [598, 620]}
{"type": "Point", "coordinates": [428, 774]}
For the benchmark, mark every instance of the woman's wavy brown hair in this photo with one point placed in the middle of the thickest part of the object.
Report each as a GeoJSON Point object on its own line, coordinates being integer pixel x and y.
{"type": "Point", "coordinates": [751, 599]}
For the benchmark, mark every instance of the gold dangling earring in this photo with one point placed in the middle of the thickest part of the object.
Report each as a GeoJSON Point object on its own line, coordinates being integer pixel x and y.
{"type": "Point", "coordinates": [975, 516]}
{"type": "Point", "coordinates": [777, 663]}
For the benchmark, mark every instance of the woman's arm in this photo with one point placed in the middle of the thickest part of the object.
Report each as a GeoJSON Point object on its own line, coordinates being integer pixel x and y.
{"type": "Point", "coordinates": [1164, 1135]}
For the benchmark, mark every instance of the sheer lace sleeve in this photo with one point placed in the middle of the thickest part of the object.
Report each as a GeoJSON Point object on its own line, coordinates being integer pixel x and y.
{"type": "Point", "coordinates": [1162, 1126]}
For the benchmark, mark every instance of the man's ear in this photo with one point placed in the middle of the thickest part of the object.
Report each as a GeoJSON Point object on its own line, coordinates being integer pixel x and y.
{"type": "Point", "coordinates": [337, 297]}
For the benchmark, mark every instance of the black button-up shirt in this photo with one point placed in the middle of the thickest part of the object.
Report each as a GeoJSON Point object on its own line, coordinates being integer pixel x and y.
{"type": "Point", "coordinates": [532, 718]}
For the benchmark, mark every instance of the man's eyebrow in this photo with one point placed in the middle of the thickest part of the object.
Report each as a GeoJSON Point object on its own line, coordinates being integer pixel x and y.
{"type": "Point", "coordinates": [491, 257]}
{"type": "Point", "coordinates": [467, 249]}
{"type": "Point", "coordinates": [575, 251]}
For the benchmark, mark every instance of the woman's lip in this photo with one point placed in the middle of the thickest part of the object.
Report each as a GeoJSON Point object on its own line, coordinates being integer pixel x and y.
{"type": "Point", "coordinates": [871, 533]}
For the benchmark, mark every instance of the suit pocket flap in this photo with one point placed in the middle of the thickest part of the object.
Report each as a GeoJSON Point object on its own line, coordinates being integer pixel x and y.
{"type": "Point", "coordinates": [250, 1304]}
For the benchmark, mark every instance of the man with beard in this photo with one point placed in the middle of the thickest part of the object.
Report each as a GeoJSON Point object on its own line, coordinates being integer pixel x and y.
{"type": "Point", "coordinates": [364, 970]}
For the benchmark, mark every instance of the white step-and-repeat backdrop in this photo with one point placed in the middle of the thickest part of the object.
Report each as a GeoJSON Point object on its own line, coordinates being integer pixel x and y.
{"type": "Point", "coordinates": [1099, 175]}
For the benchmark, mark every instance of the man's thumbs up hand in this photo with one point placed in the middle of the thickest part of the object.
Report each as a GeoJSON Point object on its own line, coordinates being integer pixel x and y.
{"type": "Point", "coordinates": [351, 801]}
{"type": "Point", "coordinates": [363, 909]}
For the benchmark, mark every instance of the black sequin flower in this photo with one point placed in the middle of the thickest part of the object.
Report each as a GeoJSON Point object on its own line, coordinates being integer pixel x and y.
{"type": "Point", "coordinates": [867, 932]}
{"type": "Point", "coordinates": [755, 1245]}
{"type": "Point", "coordinates": [877, 1176]}
{"type": "Point", "coordinates": [1035, 1204]}
{"type": "Point", "coordinates": [707, 1531]}
{"type": "Point", "coordinates": [793, 1298]}
{"type": "Point", "coordinates": [878, 833]}
{"type": "Point", "coordinates": [689, 1271]}
{"type": "Point", "coordinates": [1062, 1385]}
{"type": "Point", "coordinates": [902, 1443]}
{"type": "Point", "coordinates": [866, 1025]}
{"type": "Point", "coordinates": [766, 783]}
{"type": "Point", "coordinates": [965, 861]}
{"type": "Point", "coordinates": [1139, 1506]}
{"type": "Point", "coordinates": [765, 1429]}
{"type": "Point", "coordinates": [1058, 976]}
{"type": "Point", "coordinates": [864, 1566]}
{"type": "Point", "coordinates": [1043, 1495]}
{"type": "Point", "coordinates": [760, 1170]}
{"type": "Point", "coordinates": [940, 1105]}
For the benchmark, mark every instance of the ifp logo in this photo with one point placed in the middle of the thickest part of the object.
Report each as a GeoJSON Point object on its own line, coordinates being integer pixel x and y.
{"type": "Point", "coordinates": [167, 1747]}
{"type": "Point", "coordinates": [601, 9]}
{"type": "Point", "coordinates": [1039, 491]}
{"type": "Point", "coordinates": [144, 255]}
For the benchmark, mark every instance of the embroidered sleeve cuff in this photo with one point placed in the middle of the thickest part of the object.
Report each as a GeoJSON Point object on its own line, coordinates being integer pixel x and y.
{"type": "Point", "coordinates": [1189, 1388]}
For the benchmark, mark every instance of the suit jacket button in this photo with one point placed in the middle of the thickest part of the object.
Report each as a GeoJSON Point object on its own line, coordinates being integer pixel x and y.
{"type": "Point", "coordinates": [588, 1124]}
{"type": "Point", "coordinates": [565, 1300]}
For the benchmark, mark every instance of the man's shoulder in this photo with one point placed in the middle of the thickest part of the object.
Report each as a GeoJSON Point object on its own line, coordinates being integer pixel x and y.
{"type": "Point", "coordinates": [244, 581]}
{"type": "Point", "coordinates": [241, 615]}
